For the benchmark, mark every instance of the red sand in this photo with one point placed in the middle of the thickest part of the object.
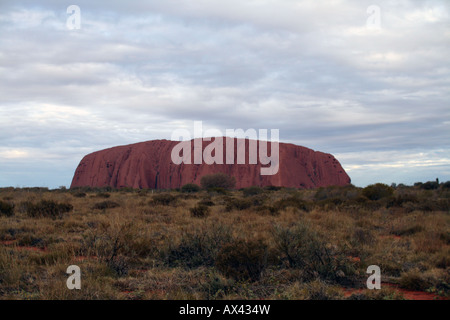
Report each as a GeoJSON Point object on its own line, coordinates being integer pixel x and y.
{"type": "Point", "coordinates": [12, 243]}
{"type": "Point", "coordinates": [28, 248]}
{"type": "Point", "coordinates": [407, 294]}
{"type": "Point", "coordinates": [8, 242]}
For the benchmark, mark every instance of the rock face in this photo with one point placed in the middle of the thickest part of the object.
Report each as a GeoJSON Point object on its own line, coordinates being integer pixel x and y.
{"type": "Point", "coordinates": [149, 165]}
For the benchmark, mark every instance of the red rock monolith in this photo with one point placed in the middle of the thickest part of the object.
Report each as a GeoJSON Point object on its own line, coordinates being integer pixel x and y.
{"type": "Point", "coordinates": [149, 165]}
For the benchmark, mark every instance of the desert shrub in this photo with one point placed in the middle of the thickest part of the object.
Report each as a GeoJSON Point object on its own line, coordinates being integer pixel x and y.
{"type": "Point", "coordinates": [252, 191]}
{"type": "Point", "coordinates": [217, 190]}
{"type": "Point", "coordinates": [265, 209]}
{"type": "Point", "coordinates": [197, 247]}
{"type": "Point", "coordinates": [200, 211]}
{"type": "Point", "coordinates": [206, 202]}
{"type": "Point", "coordinates": [6, 209]}
{"type": "Point", "coordinates": [408, 231]}
{"type": "Point", "coordinates": [142, 192]}
{"type": "Point", "coordinates": [430, 185]}
{"type": "Point", "coordinates": [104, 195]}
{"type": "Point", "coordinates": [187, 196]}
{"type": "Point", "coordinates": [362, 236]}
{"type": "Point", "coordinates": [337, 192]}
{"type": "Point", "coordinates": [432, 205]}
{"type": "Point", "coordinates": [190, 187]}
{"type": "Point", "coordinates": [127, 190]}
{"type": "Point", "coordinates": [47, 208]}
{"type": "Point", "coordinates": [442, 260]}
{"type": "Point", "coordinates": [217, 286]}
{"type": "Point", "coordinates": [108, 241]}
{"type": "Point", "coordinates": [445, 237]}
{"type": "Point", "coordinates": [22, 206]}
{"type": "Point", "coordinates": [401, 199]}
{"type": "Point", "coordinates": [413, 280]}
{"type": "Point", "coordinates": [322, 194]}
{"type": "Point", "coordinates": [28, 239]}
{"type": "Point", "coordinates": [238, 204]}
{"type": "Point", "coordinates": [300, 247]}
{"type": "Point", "coordinates": [107, 204]}
{"type": "Point", "coordinates": [382, 294]}
{"type": "Point", "coordinates": [218, 180]}
{"type": "Point", "coordinates": [119, 264]}
{"type": "Point", "coordinates": [258, 199]}
{"type": "Point", "coordinates": [329, 203]}
{"type": "Point", "coordinates": [92, 189]}
{"type": "Point", "coordinates": [292, 201]}
{"type": "Point", "coordinates": [242, 260]}
{"type": "Point", "coordinates": [314, 290]}
{"type": "Point", "coordinates": [377, 191]}
{"type": "Point", "coordinates": [272, 188]}
{"type": "Point", "coordinates": [163, 199]}
{"type": "Point", "coordinates": [79, 194]}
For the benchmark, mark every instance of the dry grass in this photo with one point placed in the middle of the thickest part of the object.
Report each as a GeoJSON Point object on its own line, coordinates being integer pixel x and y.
{"type": "Point", "coordinates": [250, 244]}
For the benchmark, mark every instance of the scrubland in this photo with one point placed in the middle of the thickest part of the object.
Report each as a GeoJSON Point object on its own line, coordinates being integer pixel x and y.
{"type": "Point", "coordinates": [254, 243]}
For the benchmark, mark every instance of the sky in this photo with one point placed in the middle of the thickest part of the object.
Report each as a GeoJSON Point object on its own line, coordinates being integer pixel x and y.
{"type": "Point", "coordinates": [367, 81]}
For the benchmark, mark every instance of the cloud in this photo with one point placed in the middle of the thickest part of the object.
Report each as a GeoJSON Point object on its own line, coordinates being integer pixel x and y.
{"type": "Point", "coordinates": [136, 71]}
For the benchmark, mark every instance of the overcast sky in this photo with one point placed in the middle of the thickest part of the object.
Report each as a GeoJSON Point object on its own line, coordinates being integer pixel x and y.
{"type": "Point", "coordinates": [325, 73]}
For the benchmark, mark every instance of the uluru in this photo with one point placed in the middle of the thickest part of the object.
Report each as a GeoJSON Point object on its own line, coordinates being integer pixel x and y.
{"type": "Point", "coordinates": [149, 165]}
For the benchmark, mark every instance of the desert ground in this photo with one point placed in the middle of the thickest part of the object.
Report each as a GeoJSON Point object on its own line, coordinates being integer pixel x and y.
{"type": "Point", "coordinates": [253, 243]}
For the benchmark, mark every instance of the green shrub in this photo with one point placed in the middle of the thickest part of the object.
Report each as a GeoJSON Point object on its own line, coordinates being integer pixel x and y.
{"type": "Point", "coordinates": [217, 180]}
{"type": "Point", "coordinates": [79, 194]}
{"type": "Point", "coordinates": [119, 264]}
{"type": "Point", "coordinates": [362, 236]}
{"type": "Point", "coordinates": [218, 190]}
{"type": "Point", "coordinates": [6, 209]}
{"type": "Point", "coordinates": [314, 290]}
{"type": "Point", "coordinates": [28, 239]}
{"type": "Point", "coordinates": [206, 202]}
{"type": "Point", "coordinates": [252, 191]}
{"type": "Point", "coordinates": [342, 193]}
{"type": "Point", "coordinates": [429, 205]}
{"type": "Point", "coordinates": [300, 247]}
{"type": "Point", "coordinates": [242, 260]}
{"type": "Point", "coordinates": [272, 188]}
{"type": "Point", "coordinates": [104, 195]}
{"type": "Point", "coordinates": [430, 185]}
{"type": "Point", "coordinates": [197, 247]}
{"type": "Point", "coordinates": [270, 210]}
{"type": "Point", "coordinates": [164, 199]}
{"type": "Point", "coordinates": [190, 187]}
{"type": "Point", "coordinates": [413, 280]}
{"type": "Point", "coordinates": [238, 204]}
{"type": "Point", "coordinates": [199, 211]}
{"type": "Point", "coordinates": [400, 200]}
{"type": "Point", "coordinates": [107, 204]}
{"type": "Point", "coordinates": [446, 185]}
{"type": "Point", "coordinates": [292, 201]}
{"type": "Point", "coordinates": [329, 203]}
{"type": "Point", "coordinates": [47, 208]}
{"type": "Point", "coordinates": [377, 191]}
{"type": "Point", "coordinates": [408, 231]}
